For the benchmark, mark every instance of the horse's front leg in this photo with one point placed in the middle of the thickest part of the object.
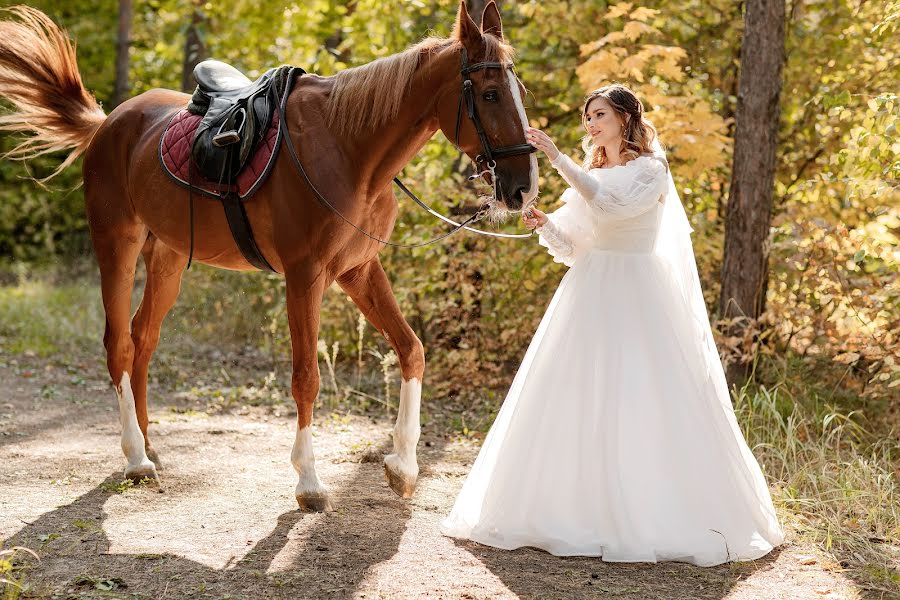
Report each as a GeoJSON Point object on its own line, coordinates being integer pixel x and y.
{"type": "Point", "coordinates": [304, 298]}
{"type": "Point", "coordinates": [369, 288]}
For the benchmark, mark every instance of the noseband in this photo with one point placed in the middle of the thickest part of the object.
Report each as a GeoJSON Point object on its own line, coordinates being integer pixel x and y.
{"type": "Point", "coordinates": [489, 154]}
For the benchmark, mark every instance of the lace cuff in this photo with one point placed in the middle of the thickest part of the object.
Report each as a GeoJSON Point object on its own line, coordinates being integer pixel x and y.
{"type": "Point", "coordinates": [557, 243]}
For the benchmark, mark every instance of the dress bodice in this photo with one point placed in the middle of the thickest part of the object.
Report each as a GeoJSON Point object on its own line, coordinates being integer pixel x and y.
{"type": "Point", "coordinates": [629, 234]}
{"type": "Point", "coordinates": [617, 209]}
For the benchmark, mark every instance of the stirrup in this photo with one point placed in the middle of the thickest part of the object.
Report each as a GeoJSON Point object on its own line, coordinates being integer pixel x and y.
{"type": "Point", "coordinates": [232, 136]}
{"type": "Point", "coordinates": [226, 138]}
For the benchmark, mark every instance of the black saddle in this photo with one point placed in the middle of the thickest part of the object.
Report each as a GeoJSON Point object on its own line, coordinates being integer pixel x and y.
{"type": "Point", "coordinates": [236, 114]}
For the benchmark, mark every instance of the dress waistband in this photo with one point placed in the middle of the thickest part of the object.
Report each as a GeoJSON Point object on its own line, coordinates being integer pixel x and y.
{"type": "Point", "coordinates": [621, 249]}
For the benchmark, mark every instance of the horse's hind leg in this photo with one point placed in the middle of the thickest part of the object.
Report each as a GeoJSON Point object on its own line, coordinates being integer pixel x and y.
{"type": "Point", "coordinates": [370, 290]}
{"type": "Point", "coordinates": [164, 270]}
{"type": "Point", "coordinates": [117, 244]}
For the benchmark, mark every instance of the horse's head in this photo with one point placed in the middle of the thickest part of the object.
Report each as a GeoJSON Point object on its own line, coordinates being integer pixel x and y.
{"type": "Point", "coordinates": [483, 112]}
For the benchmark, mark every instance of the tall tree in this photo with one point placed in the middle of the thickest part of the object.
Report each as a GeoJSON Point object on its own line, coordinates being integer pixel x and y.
{"type": "Point", "coordinates": [195, 50]}
{"type": "Point", "coordinates": [749, 211]}
{"type": "Point", "coordinates": [124, 43]}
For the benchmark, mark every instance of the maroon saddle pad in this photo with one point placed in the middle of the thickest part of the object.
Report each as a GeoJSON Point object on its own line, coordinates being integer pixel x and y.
{"type": "Point", "coordinates": [175, 156]}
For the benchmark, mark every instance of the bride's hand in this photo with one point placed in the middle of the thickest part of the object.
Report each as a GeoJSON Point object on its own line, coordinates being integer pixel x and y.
{"type": "Point", "coordinates": [534, 218]}
{"type": "Point", "coordinates": [542, 142]}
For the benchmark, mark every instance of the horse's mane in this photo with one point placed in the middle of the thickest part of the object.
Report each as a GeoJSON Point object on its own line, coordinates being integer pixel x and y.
{"type": "Point", "coordinates": [367, 96]}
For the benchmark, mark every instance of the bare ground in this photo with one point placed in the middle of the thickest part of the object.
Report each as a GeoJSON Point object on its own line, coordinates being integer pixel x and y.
{"type": "Point", "coordinates": [224, 522]}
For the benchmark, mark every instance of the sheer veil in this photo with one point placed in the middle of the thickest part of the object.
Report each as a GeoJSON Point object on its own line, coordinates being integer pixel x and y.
{"type": "Point", "coordinates": [673, 244]}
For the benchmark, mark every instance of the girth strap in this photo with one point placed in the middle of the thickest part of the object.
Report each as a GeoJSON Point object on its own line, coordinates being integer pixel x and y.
{"type": "Point", "coordinates": [242, 232]}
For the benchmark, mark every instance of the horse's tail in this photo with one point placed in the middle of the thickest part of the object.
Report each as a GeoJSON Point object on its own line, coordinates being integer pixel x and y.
{"type": "Point", "coordinates": [39, 76]}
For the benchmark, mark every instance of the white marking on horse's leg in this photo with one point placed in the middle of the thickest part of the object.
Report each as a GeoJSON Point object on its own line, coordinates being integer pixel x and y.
{"type": "Point", "coordinates": [401, 467]}
{"type": "Point", "coordinates": [532, 192]}
{"type": "Point", "coordinates": [139, 466]}
{"type": "Point", "coordinates": [310, 493]}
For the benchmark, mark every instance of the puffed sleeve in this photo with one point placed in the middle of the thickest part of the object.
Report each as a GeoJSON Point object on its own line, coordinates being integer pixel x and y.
{"type": "Point", "coordinates": [568, 230]}
{"type": "Point", "coordinates": [621, 197]}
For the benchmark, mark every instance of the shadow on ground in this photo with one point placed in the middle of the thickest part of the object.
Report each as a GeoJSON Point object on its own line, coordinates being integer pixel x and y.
{"type": "Point", "coordinates": [533, 573]}
{"type": "Point", "coordinates": [327, 559]}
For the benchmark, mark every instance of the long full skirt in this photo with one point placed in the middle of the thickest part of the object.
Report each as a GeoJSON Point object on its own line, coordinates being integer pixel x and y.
{"type": "Point", "coordinates": [617, 437]}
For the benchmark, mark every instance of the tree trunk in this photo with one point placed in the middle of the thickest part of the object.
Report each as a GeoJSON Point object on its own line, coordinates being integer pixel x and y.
{"type": "Point", "coordinates": [123, 43]}
{"type": "Point", "coordinates": [195, 50]}
{"type": "Point", "coordinates": [745, 266]}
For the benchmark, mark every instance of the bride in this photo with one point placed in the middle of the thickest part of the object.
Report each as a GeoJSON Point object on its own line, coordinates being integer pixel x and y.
{"type": "Point", "coordinates": [618, 438]}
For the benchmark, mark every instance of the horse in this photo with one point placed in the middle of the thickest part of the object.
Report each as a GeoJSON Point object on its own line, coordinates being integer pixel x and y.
{"type": "Point", "coordinates": [353, 132]}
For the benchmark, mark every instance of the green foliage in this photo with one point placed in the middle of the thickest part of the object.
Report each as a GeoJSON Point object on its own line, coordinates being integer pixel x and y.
{"type": "Point", "coordinates": [117, 488]}
{"type": "Point", "coordinates": [12, 577]}
{"type": "Point", "coordinates": [43, 223]}
{"type": "Point", "coordinates": [834, 290]}
{"type": "Point", "coordinates": [475, 302]}
{"type": "Point", "coordinates": [38, 316]}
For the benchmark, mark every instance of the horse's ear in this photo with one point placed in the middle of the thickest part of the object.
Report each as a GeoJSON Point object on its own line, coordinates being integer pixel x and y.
{"type": "Point", "coordinates": [466, 31]}
{"type": "Point", "coordinates": [490, 20]}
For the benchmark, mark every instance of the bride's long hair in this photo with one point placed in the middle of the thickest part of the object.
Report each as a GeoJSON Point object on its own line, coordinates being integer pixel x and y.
{"type": "Point", "coordinates": [638, 134]}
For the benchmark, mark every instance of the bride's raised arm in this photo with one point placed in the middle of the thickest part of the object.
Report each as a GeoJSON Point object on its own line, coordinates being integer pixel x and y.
{"type": "Point", "coordinates": [619, 200]}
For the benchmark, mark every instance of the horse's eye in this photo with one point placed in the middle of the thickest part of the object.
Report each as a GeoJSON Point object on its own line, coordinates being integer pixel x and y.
{"type": "Point", "coordinates": [491, 96]}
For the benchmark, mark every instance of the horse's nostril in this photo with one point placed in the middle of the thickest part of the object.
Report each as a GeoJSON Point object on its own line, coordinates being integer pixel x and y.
{"type": "Point", "coordinates": [518, 198]}
{"type": "Point", "coordinates": [520, 193]}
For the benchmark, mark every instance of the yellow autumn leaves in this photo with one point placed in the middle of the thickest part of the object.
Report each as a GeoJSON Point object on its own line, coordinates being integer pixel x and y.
{"type": "Point", "coordinates": [634, 54]}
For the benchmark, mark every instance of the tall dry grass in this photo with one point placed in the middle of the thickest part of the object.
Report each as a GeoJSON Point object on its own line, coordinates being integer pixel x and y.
{"type": "Point", "coordinates": [833, 481]}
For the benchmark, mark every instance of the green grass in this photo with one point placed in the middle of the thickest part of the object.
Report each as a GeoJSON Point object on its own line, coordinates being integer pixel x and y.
{"type": "Point", "coordinates": [120, 487]}
{"type": "Point", "coordinates": [55, 313]}
{"type": "Point", "coordinates": [13, 580]}
{"type": "Point", "coordinates": [42, 319]}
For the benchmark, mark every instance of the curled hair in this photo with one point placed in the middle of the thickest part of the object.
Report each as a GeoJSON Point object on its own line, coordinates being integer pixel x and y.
{"type": "Point", "coordinates": [638, 135]}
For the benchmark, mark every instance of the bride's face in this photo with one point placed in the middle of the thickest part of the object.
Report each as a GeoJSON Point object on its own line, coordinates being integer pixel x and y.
{"type": "Point", "coordinates": [603, 123]}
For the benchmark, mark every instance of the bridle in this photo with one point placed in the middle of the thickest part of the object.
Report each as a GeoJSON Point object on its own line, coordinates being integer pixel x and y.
{"type": "Point", "coordinates": [488, 156]}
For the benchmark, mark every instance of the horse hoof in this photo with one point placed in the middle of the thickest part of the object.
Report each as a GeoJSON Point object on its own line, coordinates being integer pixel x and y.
{"type": "Point", "coordinates": [401, 479]}
{"type": "Point", "coordinates": [314, 502]}
{"type": "Point", "coordinates": [144, 470]}
{"type": "Point", "coordinates": [154, 458]}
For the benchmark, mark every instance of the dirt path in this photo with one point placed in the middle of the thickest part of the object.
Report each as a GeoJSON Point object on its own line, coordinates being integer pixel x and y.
{"type": "Point", "coordinates": [225, 524]}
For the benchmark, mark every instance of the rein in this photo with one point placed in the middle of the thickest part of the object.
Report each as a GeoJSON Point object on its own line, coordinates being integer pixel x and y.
{"type": "Point", "coordinates": [488, 156]}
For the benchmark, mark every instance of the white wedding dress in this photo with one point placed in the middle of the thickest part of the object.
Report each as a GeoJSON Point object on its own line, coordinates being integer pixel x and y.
{"type": "Point", "coordinates": [618, 438]}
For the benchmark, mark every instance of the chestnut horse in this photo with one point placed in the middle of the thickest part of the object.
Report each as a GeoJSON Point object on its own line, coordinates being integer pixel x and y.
{"type": "Point", "coordinates": [354, 132]}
